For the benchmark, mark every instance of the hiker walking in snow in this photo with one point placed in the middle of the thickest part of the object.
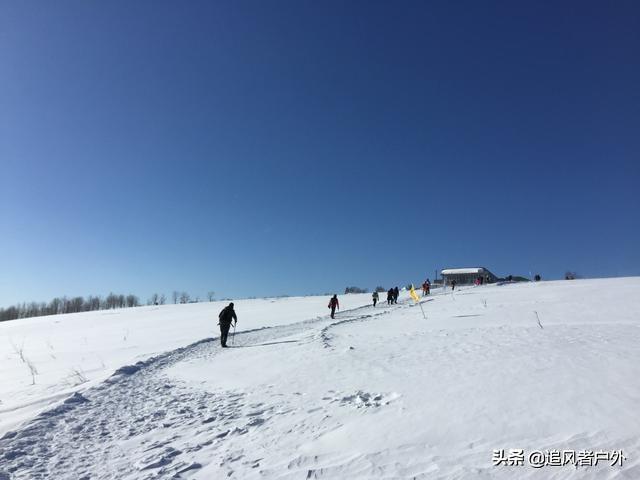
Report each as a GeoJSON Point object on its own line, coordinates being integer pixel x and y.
{"type": "Point", "coordinates": [390, 296]}
{"type": "Point", "coordinates": [396, 294]}
{"type": "Point", "coordinates": [226, 316]}
{"type": "Point", "coordinates": [333, 304]}
{"type": "Point", "coordinates": [453, 285]}
{"type": "Point", "coordinates": [428, 286]}
{"type": "Point", "coordinates": [375, 298]}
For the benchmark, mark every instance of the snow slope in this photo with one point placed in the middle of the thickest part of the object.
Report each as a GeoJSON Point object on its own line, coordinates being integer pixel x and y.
{"type": "Point", "coordinates": [375, 393]}
{"type": "Point", "coordinates": [68, 349]}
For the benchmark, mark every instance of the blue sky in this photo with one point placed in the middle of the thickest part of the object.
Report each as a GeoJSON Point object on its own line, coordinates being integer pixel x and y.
{"type": "Point", "coordinates": [290, 147]}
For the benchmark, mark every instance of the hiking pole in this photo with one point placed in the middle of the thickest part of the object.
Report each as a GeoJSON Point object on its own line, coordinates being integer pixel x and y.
{"type": "Point", "coordinates": [233, 337]}
{"type": "Point", "coordinates": [425, 317]}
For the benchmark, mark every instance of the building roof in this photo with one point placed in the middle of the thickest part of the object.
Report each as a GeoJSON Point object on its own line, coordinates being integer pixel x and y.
{"type": "Point", "coordinates": [460, 271]}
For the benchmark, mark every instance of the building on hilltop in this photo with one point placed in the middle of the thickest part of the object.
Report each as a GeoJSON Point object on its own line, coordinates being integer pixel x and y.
{"type": "Point", "coordinates": [467, 276]}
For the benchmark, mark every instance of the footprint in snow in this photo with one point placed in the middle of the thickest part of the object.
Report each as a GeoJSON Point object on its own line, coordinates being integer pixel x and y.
{"type": "Point", "coordinates": [255, 422]}
{"type": "Point", "coordinates": [362, 399]}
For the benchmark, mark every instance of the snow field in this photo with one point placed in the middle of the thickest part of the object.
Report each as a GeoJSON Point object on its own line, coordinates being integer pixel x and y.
{"type": "Point", "coordinates": [375, 393]}
{"type": "Point", "coordinates": [76, 351]}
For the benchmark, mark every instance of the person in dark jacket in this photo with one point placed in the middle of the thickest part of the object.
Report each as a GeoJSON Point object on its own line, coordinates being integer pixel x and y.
{"type": "Point", "coordinates": [396, 294]}
{"type": "Point", "coordinates": [226, 316]}
{"type": "Point", "coordinates": [333, 304]}
{"type": "Point", "coordinates": [390, 296]}
{"type": "Point", "coordinates": [375, 298]}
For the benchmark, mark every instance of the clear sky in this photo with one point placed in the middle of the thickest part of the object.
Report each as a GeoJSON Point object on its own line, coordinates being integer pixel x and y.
{"type": "Point", "coordinates": [290, 147]}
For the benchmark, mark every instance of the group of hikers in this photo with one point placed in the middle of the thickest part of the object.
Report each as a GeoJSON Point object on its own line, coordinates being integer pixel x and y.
{"type": "Point", "coordinates": [228, 315]}
{"type": "Point", "coordinates": [392, 296]}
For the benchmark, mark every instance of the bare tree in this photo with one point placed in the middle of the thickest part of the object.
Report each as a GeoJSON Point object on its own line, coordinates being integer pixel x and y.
{"type": "Point", "coordinates": [162, 299]}
{"type": "Point", "coordinates": [175, 296]}
{"type": "Point", "coordinates": [77, 377]}
{"type": "Point", "coordinates": [10, 313]}
{"type": "Point", "coordinates": [35, 309]}
{"type": "Point", "coordinates": [65, 305]}
{"type": "Point", "coordinates": [54, 306]}
{"type": "Point", "coordinates": [154, 299]}
{"type": "Point", "coordinates": [76, 304]}
{"type": "Point", "coordinates": [33, 370]}
{"type": "Point", "coordinates": [211, 296]}
{"type": "Point", "coordinates": [111, 301]}
{"type": "Point", "coordinates": [184, 297]}
{"type": "Point", "coordinates": [93, 303]}
{"type": "Point", "coordinates": [132, 301]}
{"type": "Point", "coordinates": [19, 350]}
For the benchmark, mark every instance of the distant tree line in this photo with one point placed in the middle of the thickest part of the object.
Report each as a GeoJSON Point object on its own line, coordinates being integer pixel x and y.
{"type": "Point", "coordinates": [355, 290]}
{"type": "Point", "coordinates": [68, 305]}
{"type": "Point", "coordinates": [80, 304]}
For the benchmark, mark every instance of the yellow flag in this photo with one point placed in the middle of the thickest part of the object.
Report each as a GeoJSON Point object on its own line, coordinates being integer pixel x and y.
{"type": "Point", "coordinates": [413, 294]}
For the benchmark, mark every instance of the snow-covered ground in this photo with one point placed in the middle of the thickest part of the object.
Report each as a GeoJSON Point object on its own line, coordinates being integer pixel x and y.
{"type": "Point", "coordinates": [66, 350]}
{"type": "Point", "coordinates": [375, 393]}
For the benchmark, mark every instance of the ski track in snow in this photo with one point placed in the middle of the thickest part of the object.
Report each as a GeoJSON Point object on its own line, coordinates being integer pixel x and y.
{"type": "Point", "coordinates": [95, 427]}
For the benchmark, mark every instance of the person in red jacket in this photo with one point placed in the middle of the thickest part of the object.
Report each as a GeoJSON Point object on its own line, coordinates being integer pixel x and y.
{"type": "Point", "coordinates": [333, 304]}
